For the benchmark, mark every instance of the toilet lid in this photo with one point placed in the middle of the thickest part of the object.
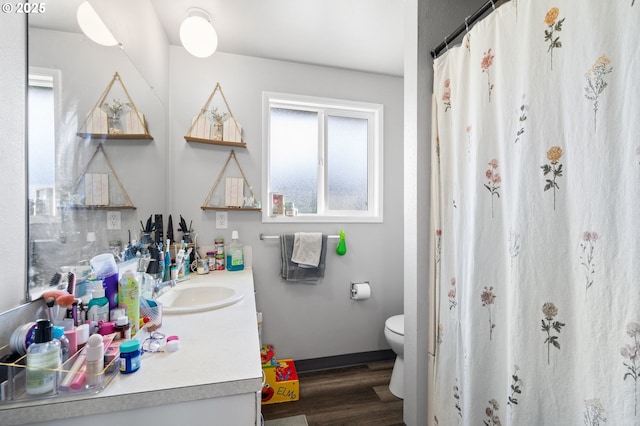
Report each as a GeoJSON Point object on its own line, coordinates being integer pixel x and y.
{"type": "Point", "coordinates": [395, 324]}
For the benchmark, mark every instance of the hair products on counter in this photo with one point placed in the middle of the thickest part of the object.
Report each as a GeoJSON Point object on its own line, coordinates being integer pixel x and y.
{"type": "Point", "coordinates": [129, 298]}
{"type": "Point", "coordinates": [123, 328]}
{"type": "Point", "coordinates": [44, 357]}
{"type": "Point", "coordinates": [73, 341]}
{"type": "Point", "coordinates": [98, 308]}
{"type": "Point", "coordinates": [58, 333]}
{"type": "Point", "coordinates": [106, 269]}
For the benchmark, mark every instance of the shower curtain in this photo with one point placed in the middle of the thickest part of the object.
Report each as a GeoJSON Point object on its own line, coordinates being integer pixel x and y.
{"type": "Point", "coordinates": [535, 292]}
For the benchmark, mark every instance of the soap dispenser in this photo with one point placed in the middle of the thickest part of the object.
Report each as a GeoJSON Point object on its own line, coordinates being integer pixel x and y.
{"type": "Point", "coordinates": [235, 254]}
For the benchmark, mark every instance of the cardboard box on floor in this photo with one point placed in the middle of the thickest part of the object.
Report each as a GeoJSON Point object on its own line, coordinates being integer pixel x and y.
{"type": "Point", "coordinates": [281, 378]}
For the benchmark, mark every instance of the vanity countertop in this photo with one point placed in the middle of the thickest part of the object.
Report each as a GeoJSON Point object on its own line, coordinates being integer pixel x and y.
{"type": "Point", "coordinates": [219, 356]}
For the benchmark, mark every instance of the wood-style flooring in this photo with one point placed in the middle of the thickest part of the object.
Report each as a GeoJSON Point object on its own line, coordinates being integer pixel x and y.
{"type": "Point", "coordinates": [357, 395]}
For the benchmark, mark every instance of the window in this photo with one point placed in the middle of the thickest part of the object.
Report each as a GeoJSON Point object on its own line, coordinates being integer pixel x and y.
{"type": "Point", "coordinates": [324, 156]}
{"type": "Point", "coordinates": [42, 90]}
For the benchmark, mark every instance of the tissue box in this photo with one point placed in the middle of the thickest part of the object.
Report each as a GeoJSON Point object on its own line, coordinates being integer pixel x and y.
{"type": "Point", "coordinates": [281, 383]}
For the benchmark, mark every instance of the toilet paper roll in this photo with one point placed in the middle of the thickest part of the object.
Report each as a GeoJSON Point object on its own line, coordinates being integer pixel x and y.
{"type": "Point", "coordinates": [361, 291]}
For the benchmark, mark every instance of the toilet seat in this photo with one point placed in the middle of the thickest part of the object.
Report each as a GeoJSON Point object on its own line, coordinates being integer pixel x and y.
{"type": "Point", "coordinates": [395, 324]}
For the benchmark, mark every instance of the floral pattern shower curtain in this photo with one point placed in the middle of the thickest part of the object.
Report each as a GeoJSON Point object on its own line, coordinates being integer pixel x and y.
{"type": "Point", "coordinates": [536, 186]}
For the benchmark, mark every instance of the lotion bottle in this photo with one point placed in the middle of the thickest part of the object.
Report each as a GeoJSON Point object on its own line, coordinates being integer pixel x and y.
{"type": "Point", "coordinates": [44, 358]}
{"type": "Point", "coordinates": [98, 308]}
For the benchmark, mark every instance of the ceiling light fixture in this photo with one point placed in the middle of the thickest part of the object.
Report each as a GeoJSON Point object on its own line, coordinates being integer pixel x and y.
{"type": "Point", "coordinates": [93, 26]}
{"type": "Point", "coordinates": [197, 33]}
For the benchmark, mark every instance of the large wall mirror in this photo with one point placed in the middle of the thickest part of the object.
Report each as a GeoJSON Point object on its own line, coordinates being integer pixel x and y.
{"type": "Point", "coordinates": [69, 77]}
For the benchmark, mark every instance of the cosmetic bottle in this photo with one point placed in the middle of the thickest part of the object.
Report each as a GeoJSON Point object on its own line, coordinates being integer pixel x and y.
{"type": "Point", "coordinates": [71, 337]}
{"type": "Point", "coordinates": [129, 298]}
{"type": "Point", "coordinates": [58, 333]}
{"type": "Point", "coordinates": [44, 357]}
{"type": "Point", "coordinates": [98, 308]}
{"type": "Point", "coordinates": [123, 328]}
{"type": "Point", "coordinates": [235, 254]}
{"type": "Point", "coordinates": [95, 361]}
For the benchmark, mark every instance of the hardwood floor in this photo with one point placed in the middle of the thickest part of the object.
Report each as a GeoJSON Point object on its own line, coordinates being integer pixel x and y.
{"type": "Point", "coordinates": [356, 395]}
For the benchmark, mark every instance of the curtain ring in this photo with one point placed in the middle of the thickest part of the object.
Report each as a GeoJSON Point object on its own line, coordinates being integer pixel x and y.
{"type": "Point", "coordinates": [466, 24]}
{"type": "Point", "coordinates": [446, 44]}
{"type": "Point", "coordinates": [493, 5]}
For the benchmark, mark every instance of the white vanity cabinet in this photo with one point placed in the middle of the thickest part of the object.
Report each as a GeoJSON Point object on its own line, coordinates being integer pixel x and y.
{"type": "Point", "coordinates": [215, 378]}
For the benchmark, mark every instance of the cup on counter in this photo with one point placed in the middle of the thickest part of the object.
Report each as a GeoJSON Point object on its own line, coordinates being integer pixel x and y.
{"type": "Point", "coordinates": [202, 266]}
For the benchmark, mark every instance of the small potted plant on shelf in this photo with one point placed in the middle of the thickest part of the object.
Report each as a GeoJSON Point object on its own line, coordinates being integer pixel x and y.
{"type": "Point", "coordinates": [217, 119]}
{"type": "Point", "coordinates": [115, 110]}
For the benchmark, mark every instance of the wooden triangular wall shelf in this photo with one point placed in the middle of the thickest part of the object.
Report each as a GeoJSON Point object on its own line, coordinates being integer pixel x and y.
{"type": "Point", "coordinates": [213, 127]}
{"type": "Point", "coordinates": [206, 205]}
{"type": "Point", "coordinates": [114, 119]}
{"type": "Point", "coordinates": [97, 204]}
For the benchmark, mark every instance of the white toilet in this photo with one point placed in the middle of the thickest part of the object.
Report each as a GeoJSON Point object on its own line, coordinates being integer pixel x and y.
{"type": "Point", "coordinates": [394, 333]}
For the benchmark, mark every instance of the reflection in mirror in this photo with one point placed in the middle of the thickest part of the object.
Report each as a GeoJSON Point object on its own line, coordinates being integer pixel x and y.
{"type": "Point", "coordinates": [77, 183]}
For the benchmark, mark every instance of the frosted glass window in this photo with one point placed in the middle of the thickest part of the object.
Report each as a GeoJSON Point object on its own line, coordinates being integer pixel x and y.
{"type": "Point", "coordinates": [323, 157]}
{"type": "Point", "coordinates": [347, 177]}
{"type": "Point", "coordinates": [294, 157]}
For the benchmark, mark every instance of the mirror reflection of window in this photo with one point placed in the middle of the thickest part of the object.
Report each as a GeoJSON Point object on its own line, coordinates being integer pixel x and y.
{"type": "Point", "coordinates": [41, 132]}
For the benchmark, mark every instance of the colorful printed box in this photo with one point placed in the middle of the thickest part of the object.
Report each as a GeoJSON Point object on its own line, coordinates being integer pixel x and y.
{"type": "Point", "coordinates": [281, 383]}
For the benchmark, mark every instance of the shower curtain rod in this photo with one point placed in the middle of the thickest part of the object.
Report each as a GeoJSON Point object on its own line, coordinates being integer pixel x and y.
{"type": "Point", "coordinates": [469, 20]}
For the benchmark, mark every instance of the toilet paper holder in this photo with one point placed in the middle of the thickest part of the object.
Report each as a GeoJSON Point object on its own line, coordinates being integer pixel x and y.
{"type": "Point", "coordinates": [353, 291]}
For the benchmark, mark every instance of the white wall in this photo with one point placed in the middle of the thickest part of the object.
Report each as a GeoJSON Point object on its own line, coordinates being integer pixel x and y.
{"type": "Point", "coordinates": [12, 160]}
{"type": "Point", "coordinates": [302, 321]}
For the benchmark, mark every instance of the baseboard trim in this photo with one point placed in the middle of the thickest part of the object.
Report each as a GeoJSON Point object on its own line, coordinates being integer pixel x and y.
{"type": "Point", "coordinates": [346, 360]}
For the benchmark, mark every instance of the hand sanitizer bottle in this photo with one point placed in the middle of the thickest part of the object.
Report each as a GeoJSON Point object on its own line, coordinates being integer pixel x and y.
{"type": "Point", "coordinates": [235, 254]}
{"type": "Point", "coordinates": [44, 358]}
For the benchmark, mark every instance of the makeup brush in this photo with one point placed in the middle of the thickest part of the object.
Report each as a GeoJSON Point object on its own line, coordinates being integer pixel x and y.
{"type": "Point", "coordinates": [50, 302]}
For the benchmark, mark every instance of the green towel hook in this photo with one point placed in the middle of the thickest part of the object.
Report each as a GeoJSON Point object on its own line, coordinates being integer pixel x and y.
{"type": "Point", "coordinates": [341, 249]}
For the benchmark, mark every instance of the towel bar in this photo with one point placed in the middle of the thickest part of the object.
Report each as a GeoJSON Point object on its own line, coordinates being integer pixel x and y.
{"type": "Point", "coordinates": [270, 237]}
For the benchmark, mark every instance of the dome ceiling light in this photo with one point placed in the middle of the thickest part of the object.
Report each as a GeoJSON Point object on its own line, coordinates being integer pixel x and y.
{"type": "Point", "coordinates": [197, 33]}
{"type": "Point", "coordinates": [93, 27]}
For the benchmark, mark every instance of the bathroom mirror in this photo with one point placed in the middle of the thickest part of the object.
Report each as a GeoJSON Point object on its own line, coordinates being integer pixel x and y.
{"type": "Point", "coordinates": [69, 75]}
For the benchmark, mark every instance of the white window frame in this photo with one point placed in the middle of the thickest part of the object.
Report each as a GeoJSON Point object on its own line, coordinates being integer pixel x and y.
{"type": "Point", "coordinates": [327, 106]}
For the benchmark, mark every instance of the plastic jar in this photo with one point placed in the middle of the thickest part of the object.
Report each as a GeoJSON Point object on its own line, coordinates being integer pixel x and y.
{"type": "Point", "coordinates": [211, 256]}
{"type": "Point", "coordinates": [130, 356]}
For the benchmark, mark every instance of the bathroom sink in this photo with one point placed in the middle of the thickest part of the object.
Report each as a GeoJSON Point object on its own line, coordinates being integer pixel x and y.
{"type": "Point", "coordinates": [186, 298]}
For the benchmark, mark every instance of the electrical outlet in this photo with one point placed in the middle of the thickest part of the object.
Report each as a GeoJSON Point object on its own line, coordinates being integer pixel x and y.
{"type": "Point", "coordinates": [222, 220]}
{"type": "Point", "coordinates": [114, 220]}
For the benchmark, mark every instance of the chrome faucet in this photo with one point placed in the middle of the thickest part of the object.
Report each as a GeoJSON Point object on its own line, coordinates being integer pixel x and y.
{"type": "Point", "coordinates": [157, 288]}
